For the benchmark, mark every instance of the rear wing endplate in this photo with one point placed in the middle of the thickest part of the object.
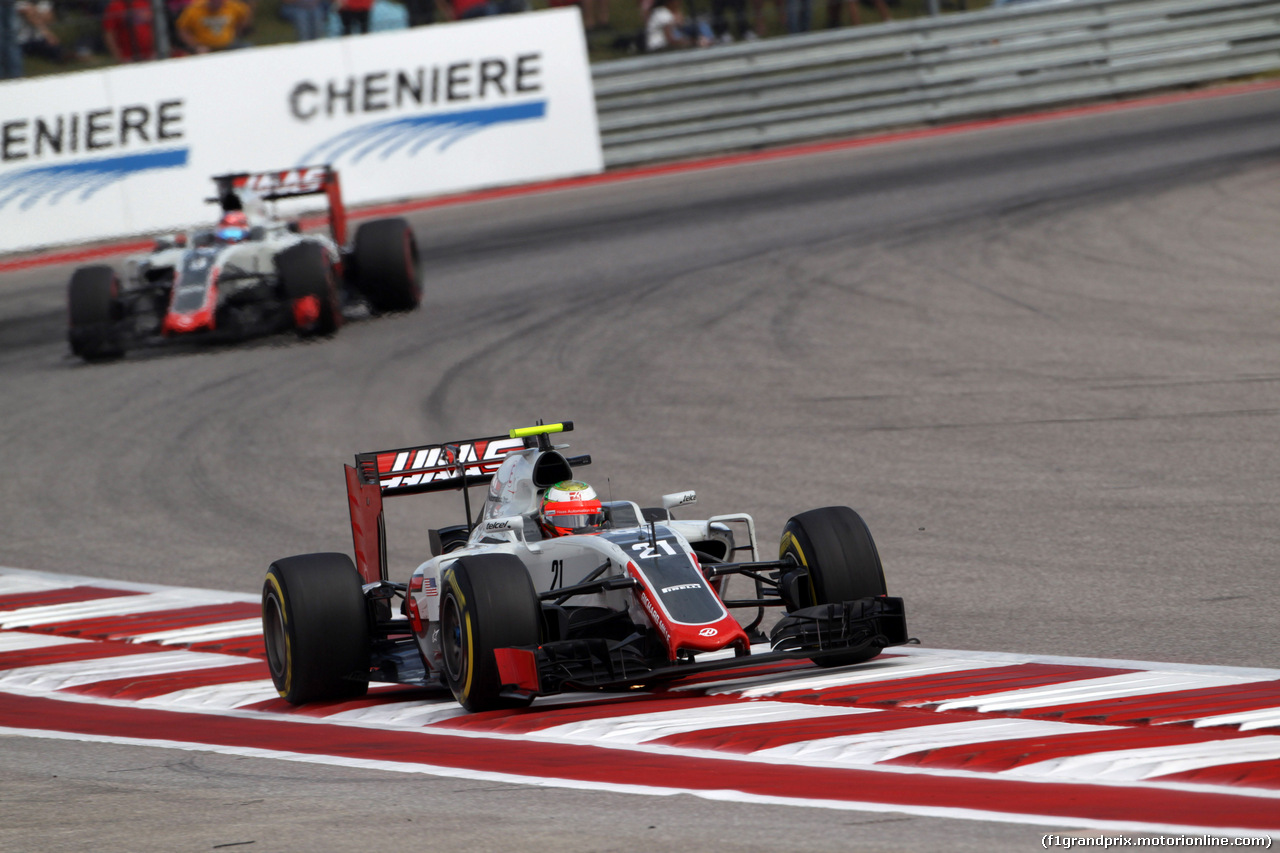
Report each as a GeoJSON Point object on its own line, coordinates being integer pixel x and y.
{"type": "Point", "coordinates": [286, 183]}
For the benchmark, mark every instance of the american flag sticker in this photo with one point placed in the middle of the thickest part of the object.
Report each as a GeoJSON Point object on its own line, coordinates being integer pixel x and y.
{"type": "Point", "coordinates": [429, 586]}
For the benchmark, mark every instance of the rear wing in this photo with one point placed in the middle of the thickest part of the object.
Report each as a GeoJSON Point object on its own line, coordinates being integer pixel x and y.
{"type": "Point", "coordinates": [436, 467]}
{"type": "Point", "coordinates": [427, 468]}
{"type": "Point", "coordinates": [286, 183]}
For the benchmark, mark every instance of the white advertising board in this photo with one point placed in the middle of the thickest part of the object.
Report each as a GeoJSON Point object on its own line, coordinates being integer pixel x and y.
{"type": "Point", "coordinates": [419, 112]}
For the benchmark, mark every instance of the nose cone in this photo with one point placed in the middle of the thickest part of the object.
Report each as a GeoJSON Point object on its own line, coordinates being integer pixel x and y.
{"type": "Point", "coordinates": [181, 324]}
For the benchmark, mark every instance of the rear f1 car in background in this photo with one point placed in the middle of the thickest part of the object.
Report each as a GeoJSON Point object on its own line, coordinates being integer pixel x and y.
{"type": "Point", "coordinates": [503, 612]}
{"type": "Point", "coordinates": [256, 276]}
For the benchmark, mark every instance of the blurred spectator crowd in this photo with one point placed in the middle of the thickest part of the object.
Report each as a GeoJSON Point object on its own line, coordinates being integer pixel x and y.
{"type": "Point", "coordinates": [89, 33]}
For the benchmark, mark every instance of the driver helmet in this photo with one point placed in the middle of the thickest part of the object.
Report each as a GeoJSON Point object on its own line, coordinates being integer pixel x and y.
{"type": "Point", "coordinates": [571, 506]}
{"type": "Point", "coordinates": [233, 227]}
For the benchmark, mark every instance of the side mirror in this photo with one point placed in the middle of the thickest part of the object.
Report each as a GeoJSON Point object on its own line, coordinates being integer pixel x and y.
{"type": "Point", "coordinates": [678, 499]}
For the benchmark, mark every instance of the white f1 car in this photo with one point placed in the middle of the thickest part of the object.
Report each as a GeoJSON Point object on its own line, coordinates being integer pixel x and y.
{"type": "Point", "coordinates": [507, 610]}
{"type": "Point", "coordinates": [254, 273]}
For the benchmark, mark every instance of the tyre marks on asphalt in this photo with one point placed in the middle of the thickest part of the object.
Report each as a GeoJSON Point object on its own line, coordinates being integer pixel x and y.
{"type": "Point", "coordinates": [1079, 742]}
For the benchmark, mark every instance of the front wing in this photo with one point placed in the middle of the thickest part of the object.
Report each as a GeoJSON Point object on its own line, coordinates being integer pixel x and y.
{"type": "Point", "coordinates": [852, 629]}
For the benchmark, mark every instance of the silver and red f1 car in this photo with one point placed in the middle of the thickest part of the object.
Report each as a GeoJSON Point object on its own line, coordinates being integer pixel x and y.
{"type": "Point", "coordinates": [504, 612]}
{"type": "Point", "coordinates": [254, 273]}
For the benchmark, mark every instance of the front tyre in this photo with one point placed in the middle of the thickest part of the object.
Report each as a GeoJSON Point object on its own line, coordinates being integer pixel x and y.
{"type": "Point", "coordinates": [488, 602]}
{"type": "Point", "coordinates": [315, 625]}
{"type": "Point", "coordinates": [95, 314]}
{"type": "Point", "coordinates": [836, 561]}
{"type": "Point", "coordinates": [310, 289]}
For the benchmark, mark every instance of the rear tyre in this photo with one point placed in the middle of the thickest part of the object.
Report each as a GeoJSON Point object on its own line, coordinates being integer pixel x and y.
{"type": "Point", "coordinates": [488, 602]}
{"type": "Point", "coordinates": [310, 289]}
{"type": "Point", "coordinates": [315, 625]}
{"type": "Point", "coordinates": [386, 265]}
{"type": "Point", "coordinates": [836, 561]}
{"type": "Point", "coordinates": [95, 314]}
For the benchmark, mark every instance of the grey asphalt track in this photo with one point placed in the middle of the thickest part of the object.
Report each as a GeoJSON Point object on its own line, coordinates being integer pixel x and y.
{"type": "Point", "coordinates": [1039, 359]}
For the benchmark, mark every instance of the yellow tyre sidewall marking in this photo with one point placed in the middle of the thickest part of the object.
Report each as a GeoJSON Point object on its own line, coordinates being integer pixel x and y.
{"type": "Point", "coordinates": [466, 620]}
{"type": "Point", "coordinates": [288, 646]}
{"type": "Point", "coordinates": [471, 655]}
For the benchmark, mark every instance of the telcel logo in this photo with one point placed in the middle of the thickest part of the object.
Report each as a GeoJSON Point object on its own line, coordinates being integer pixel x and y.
{"type": "Point", "coordinates": [507, 523]}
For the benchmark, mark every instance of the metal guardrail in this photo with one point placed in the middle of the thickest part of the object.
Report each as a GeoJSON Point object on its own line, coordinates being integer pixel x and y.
{"type": "Point", "coordinates": [963, 65]}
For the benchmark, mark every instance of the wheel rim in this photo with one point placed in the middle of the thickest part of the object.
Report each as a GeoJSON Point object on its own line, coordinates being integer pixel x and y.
{"type": "Point", "coordinates": [453, 644]}
{"type": "Point", "coordinates": [791, 548]}
{"type": "Point", "coordinates": [274, 638]}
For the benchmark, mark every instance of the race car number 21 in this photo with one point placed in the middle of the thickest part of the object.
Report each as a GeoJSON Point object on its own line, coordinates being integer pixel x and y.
{"type": "Point", "coordinates": [647, 551]}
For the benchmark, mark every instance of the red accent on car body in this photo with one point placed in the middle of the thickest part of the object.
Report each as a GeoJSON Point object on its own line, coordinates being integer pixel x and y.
{"type": "Point", "coordinates": [203, 319]}
{"type": "Point", "coordinates": [306, 311]}
{"type": "Point", "coordinates": [337, 210]}
{"type": "Point", "coordinates": [518, 668]}
{"type": "Point", "coordinates": [414, 466]}
{"type": "Point", "coordinates": [365, 502]}
{"type": "Point", "coordinates": [296, 182]}
{"type": "Point", "coordinates": [415, 616]}
{"type": "Point", "coordinates": [705, 637]}
{"type": "Point", "coordinates": [416, 584]}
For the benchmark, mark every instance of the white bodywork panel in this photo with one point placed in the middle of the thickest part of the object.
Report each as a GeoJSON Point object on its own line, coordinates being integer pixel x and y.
{"type": "Point", "coordinates": [554, 563]}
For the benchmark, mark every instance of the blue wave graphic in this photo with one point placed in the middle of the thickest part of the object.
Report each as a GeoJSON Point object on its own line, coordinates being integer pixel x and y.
{"type": "Point", "coordinates": [87, 176]}
{"type": "Point", "coordinates": [413, 133]}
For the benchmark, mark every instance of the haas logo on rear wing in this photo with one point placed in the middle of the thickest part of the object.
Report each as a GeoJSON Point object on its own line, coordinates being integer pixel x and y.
{"type": "Point", "coordinates": [427, 468]}
{"type": "Point", "coordinates": [436, 467]}
{"type": "Point", "coordinates": [284, 183]}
